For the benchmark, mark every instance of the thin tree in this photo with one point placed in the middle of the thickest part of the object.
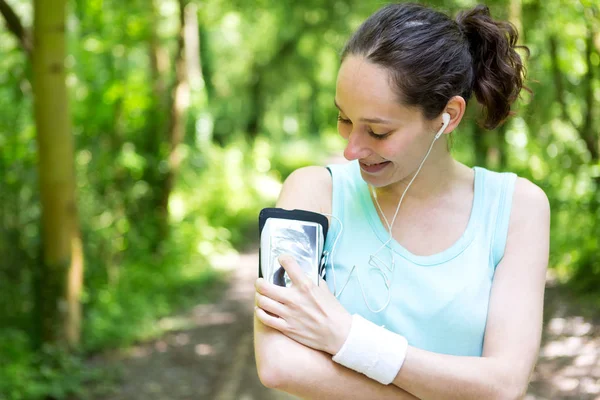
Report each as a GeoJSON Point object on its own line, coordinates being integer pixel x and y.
{"type": "Point", "coordinates": [179, 105]}
{"type": "Point", "coordinates": [61, 270]}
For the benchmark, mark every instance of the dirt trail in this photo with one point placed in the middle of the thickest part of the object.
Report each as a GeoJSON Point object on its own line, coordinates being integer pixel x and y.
{"type": "Point", "coordinates": [569, 362]}
{"type": "Point", "coordinates": [212, 357]}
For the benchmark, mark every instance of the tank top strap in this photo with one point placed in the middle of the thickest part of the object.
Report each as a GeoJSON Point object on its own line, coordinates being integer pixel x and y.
{"type": "Point", "coordinates": [346, 181]}
{"type": "Point", "coordinates": [498, 190]}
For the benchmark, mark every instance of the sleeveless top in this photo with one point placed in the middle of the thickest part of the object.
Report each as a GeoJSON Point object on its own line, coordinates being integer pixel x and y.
{"type": "Point", "coordinates": [438, 302]}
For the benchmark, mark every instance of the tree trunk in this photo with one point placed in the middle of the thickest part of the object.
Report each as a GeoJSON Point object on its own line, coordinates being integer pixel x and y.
{"type": "Point", "coordinates": [152, 145]}
{"type": "Point", "coordinates": [588, 133]}
{"type": "Point", "coordinates": [192, 46]}
{"type": "Point", "coordinates": [256, 105]}
{"type": "Point", "coordinates": [515, 16]}
{"type": "Point", "coordinates": [176, 126]}
{"type": "Point", "coordinates": [61, 271]}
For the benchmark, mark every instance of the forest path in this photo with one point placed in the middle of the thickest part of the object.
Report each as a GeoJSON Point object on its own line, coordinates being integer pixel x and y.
{"type": "Point", "coordinates": [213, 357]}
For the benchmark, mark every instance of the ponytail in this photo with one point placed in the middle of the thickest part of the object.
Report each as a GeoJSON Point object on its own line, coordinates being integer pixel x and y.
{"type": "Point", "coordinates": [498, 69]}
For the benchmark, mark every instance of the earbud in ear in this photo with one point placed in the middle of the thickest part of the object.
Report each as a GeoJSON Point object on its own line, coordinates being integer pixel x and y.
{"type": "Point", "coordinates": [446, 118]}
{"type": "Point", "coordinates": [446, 121]}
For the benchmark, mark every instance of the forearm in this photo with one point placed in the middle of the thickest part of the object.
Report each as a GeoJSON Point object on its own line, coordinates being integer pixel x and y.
{"type": "Point", "coordinates": [439, 376]}
{"type": "Point", "coordinates": [296, 369]}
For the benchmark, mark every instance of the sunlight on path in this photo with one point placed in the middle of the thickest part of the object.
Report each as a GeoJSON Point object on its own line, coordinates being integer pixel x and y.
{"type": "Point", "coordinates": [569, 362]}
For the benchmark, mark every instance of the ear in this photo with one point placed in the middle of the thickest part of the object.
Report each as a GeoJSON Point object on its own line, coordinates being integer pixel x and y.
{"type": "Point", "coordinates": [456, 108]}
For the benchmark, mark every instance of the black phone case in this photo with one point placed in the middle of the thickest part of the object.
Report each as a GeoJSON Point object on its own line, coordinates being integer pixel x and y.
{"type": "Point", "coordinates": [298, 215]}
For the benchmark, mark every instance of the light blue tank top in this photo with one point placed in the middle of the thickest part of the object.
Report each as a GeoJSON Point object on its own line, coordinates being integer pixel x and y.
{"type": "Point", "coordinates": [438, 302]}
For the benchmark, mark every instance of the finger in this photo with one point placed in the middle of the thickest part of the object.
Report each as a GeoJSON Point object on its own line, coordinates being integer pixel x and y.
{"type": "Point", "coordinates": [269, 305]}
{"type": "Point", "coordinates": [323, 283]}
{"type": "Point", "coordinates": [294, 271]}
{"type": "Point", "coordinates": [277, 293]}
{"type": "Point", "coordinates": [269, 320]}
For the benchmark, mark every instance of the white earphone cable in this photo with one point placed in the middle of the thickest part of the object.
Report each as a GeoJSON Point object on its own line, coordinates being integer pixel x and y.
{"type": "Point", "coordinates": [374, 260]}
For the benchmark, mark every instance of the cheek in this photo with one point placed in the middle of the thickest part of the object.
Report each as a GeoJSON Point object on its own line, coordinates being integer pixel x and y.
{"type": "Point", "coordinates": [393, 148]}
{"type": "Point", "coordinates": [400, 148]}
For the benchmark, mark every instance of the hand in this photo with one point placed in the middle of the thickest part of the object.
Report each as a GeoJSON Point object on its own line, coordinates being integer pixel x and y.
{"type": "Point", "coordinates": [305, 312]}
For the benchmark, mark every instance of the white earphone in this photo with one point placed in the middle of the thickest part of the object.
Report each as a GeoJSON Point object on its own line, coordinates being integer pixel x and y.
{"type": "Point", "coordinates": [446, 121]}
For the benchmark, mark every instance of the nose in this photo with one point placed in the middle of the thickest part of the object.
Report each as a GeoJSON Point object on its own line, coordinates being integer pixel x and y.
{"type": "Point", "coordinates": [355, 149]}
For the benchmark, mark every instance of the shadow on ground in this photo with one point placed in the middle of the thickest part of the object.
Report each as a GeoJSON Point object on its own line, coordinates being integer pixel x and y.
{"type": "Point", "coordinates": [209, 353]}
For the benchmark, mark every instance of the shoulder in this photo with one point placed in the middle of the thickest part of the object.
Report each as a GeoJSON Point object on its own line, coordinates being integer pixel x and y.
{"type": "Point", "coordinates": [530, 204]}
{"type": "Point", "coordinates": [528, 238]}
{"type": "Point", "coordinates": [307, 188]}
{"type": "Point", "coordinates": [308, 178]}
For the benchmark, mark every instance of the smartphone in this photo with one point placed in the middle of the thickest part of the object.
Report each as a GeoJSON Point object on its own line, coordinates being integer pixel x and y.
{"type": "Point", "coordinates": [299, 233]}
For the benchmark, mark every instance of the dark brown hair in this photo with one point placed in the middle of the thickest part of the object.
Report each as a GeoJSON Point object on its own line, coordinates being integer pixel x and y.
{"type": "Point", "coordinates": [433, 58]}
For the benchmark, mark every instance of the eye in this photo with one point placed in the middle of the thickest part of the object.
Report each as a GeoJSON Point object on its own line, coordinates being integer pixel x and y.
{"type": "Point", "coordinates": [378, 136]}
{"type": "Point", "coordinates": [343, 120]}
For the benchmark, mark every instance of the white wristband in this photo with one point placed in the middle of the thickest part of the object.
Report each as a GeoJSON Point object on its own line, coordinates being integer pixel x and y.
{"type": "Point", "coordinates": [372, 350]}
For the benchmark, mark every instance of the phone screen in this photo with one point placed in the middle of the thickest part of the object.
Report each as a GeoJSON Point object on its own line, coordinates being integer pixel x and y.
{"type": "Point", "coordinates": [303, 240]}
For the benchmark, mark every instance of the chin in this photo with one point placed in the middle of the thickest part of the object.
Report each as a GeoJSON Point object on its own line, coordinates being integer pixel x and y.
{"type": "Point", "coordinates": [375, 181]}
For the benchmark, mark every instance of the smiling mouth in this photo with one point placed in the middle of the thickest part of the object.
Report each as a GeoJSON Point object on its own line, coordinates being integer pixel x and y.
{"type": "Point", "coordinates": [372, 168]}
{"type": "Point", "coordinates": [370, 164]}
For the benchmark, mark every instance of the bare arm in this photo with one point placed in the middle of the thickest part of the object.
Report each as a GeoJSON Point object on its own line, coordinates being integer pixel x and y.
{"type": "Point", "coordinates": [289, 366]}
{"type": "Point", "coordinates": [514, 324]}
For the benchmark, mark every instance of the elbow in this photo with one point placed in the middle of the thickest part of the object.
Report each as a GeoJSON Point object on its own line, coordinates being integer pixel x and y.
{"type": "Point", "coordinates": [272, 367]}
{"type": "Point", "coordinates": [518, 391]}
{"type": "Point", "coordinates": [510, 382]}
{"type": "Point", "coordinates": [269, 346]}
{"type": "Point", "coordinates": [511, 393]}
{"type": "Point", "coordinates": [515, 389]}
{"type": "Point", "coordinates": [279, 359]}
{"type": "Point", "coordinates": [269, 374]}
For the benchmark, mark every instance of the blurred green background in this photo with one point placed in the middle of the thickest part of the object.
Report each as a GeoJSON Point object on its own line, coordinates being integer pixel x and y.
{"type": "Point", "coordinates": [186, 117]}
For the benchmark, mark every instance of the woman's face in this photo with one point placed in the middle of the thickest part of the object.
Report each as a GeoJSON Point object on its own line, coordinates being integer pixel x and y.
{"type": "Point", "coordinates": [388, 139]}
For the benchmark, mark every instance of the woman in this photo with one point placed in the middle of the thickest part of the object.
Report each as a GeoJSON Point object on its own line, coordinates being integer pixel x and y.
{"type": "Point", "coordinates": [435, 286]}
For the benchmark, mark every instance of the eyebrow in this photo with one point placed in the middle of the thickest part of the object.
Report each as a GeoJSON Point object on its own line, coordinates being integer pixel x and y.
{"type": "Point", "coordinates": [370, 120]}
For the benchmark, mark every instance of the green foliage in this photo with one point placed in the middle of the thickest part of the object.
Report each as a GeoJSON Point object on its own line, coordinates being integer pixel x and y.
{"type": "Point", "coordinates": [262, 107]}
{"type": "Point", "coordinates": [48, 373]}
{"type": "Point", "coordinates": [128, 311]}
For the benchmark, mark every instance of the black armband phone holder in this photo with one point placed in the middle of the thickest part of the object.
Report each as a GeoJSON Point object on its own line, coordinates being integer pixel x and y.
{"type": "Point", "coordinates": [299, 233]}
